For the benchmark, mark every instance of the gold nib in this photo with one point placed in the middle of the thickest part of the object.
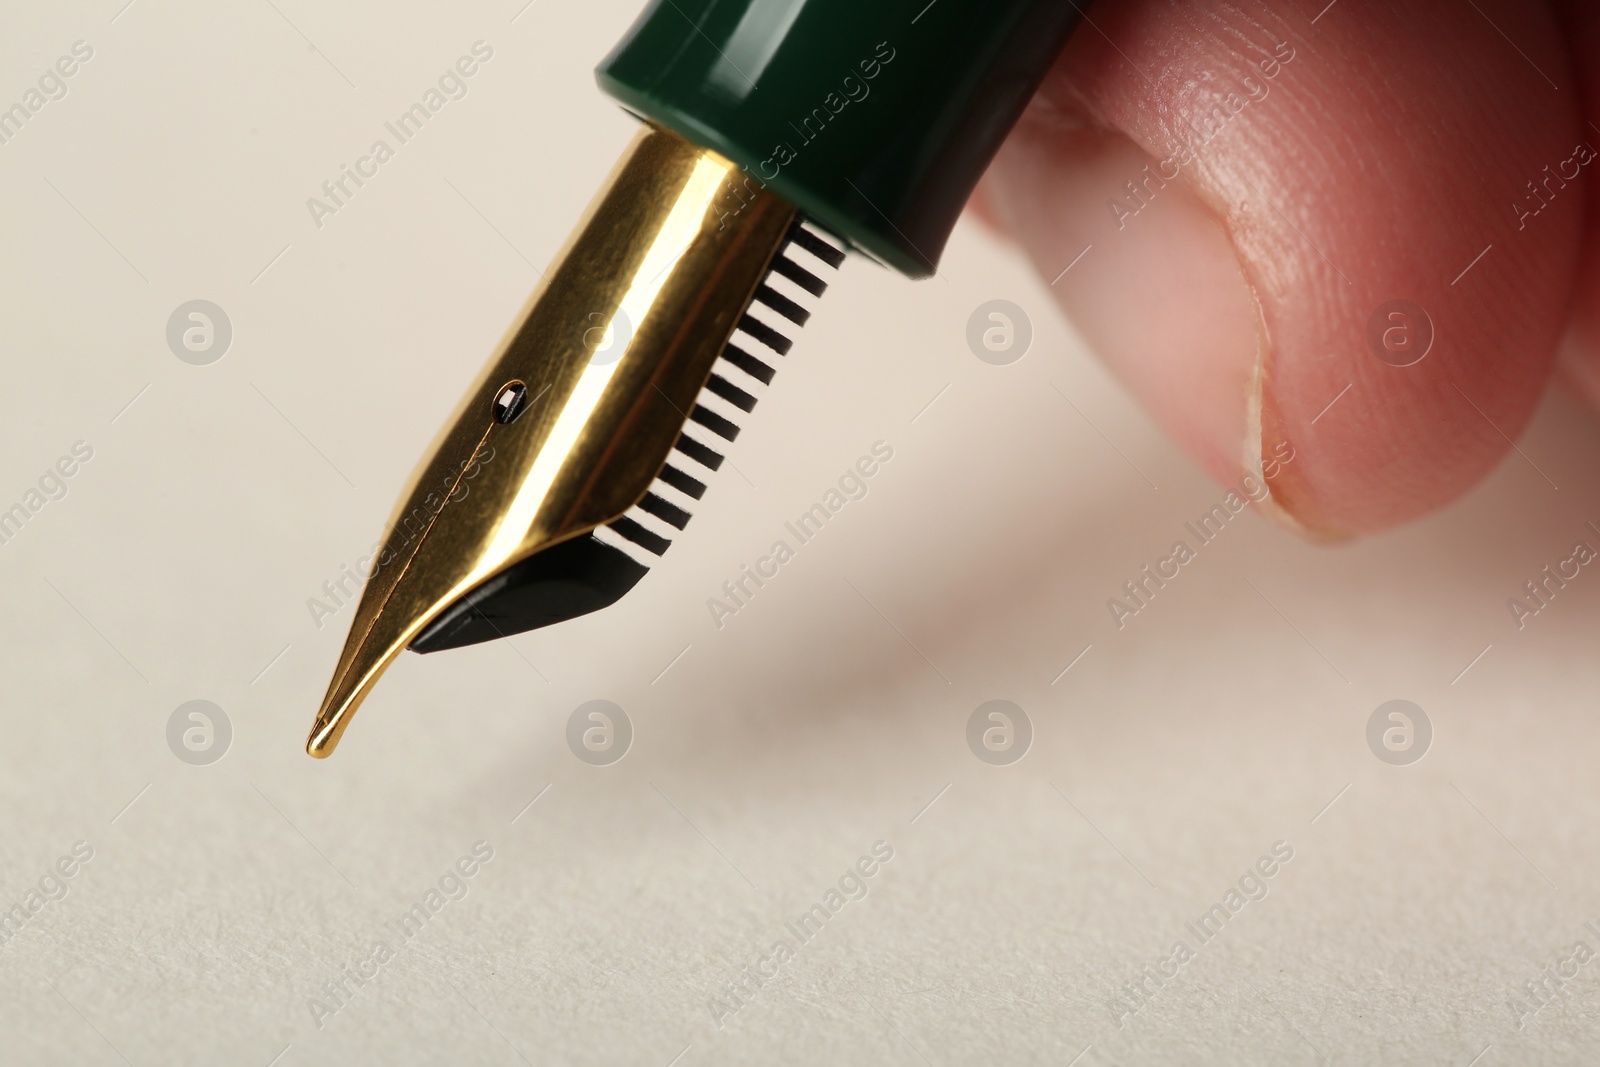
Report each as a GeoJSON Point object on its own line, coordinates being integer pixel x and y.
{"type": "Point", "coordinates": [577, 410]}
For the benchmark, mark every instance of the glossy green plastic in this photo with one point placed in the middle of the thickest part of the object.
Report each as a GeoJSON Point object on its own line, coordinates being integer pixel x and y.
{"type": "Point", "coordinates": [874, 117]}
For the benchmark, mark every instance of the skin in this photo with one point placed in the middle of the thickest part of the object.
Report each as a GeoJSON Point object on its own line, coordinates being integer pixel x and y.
{"type": "Point", "coordinates": [1366, 157]}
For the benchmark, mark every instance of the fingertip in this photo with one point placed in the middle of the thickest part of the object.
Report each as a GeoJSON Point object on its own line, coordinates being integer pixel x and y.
{"type": "Point", "coordinates": [1158, 294]}
{"type": "Point", "coordinates": [981, 206]}
{"type": "Point", "coordinates": [1345, 170]}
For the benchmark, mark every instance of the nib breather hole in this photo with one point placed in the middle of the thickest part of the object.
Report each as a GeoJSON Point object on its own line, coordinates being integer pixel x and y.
{"type": "Point", "coordinates": [510, 403]}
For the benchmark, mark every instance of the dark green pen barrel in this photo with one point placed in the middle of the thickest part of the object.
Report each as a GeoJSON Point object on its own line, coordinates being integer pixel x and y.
{"type": "Point", "coordinates": [874, 117]}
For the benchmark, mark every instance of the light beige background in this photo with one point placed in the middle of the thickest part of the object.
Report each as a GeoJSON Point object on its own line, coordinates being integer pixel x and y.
{"type": "Point", "coordinates": [774, 751]}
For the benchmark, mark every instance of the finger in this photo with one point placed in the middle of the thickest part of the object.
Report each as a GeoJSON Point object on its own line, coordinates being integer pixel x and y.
{"type": "Point", "coordinates": [1248, 183]}
{"type": "Point", "coordinates": [981, 206]}
{"type": "Point", "coordinates": [1581, 347]}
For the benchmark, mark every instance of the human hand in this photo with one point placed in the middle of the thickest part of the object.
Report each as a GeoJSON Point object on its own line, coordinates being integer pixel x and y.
{"type": "Point", "coordinates": [1295, 170]}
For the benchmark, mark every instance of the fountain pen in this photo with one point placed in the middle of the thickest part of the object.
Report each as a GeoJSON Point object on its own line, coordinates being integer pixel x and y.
{"type": "Point", "coordinates": [776, 136]}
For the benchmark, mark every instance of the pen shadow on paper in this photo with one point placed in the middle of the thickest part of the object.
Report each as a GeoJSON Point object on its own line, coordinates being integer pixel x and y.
{"type": "Point", "coordinates": [1028, 569]}
{"type": "Point", "coordinates": [941, 603]}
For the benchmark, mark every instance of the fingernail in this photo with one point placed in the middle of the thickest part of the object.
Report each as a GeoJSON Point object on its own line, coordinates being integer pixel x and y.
{"type": "Point", "coordinates": [1148, 276]}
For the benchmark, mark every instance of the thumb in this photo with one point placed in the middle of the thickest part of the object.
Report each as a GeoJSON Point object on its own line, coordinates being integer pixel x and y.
{"type": "Point", "coordinates": [1255, 217]}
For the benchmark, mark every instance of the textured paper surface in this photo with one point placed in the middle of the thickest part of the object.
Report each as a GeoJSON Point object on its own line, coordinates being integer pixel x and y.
{"type": "Point", "coordinates": [768, 755]}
